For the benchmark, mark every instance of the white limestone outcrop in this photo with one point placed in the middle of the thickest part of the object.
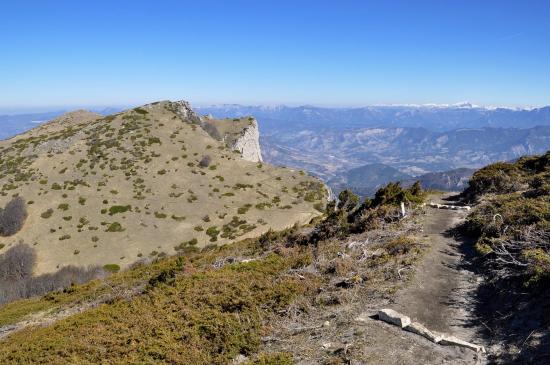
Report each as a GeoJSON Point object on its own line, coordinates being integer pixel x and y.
{"type": "Point", "coordinates": [248, 142]}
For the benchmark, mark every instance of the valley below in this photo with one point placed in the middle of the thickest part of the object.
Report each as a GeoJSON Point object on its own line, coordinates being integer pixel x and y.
{"type": "Point", "coordinates": [365, 148]}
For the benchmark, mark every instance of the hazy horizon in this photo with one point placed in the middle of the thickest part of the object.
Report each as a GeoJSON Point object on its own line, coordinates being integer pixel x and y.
{"type": "Point", "coordinates": [66, 108]}
{"type": "Point", "coordinates": [66, 53]}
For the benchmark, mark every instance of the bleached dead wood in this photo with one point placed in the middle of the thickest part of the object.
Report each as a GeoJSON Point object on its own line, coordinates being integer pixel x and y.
{"type": "Point", "coordinates": [448, 206]}
{"type": "Point", "coordinates": [397, 319]}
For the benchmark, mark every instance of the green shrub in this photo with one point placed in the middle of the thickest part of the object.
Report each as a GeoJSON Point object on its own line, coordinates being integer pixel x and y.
{"type": "Point", "coordinates": [277, 358]}
{"type": "Point", "coordinates": [47, 214]}
{"type": "Point", "coordinates": [187, 246]}
{"type": "Point", "coordinates": [141, 111]}
{"type": "Point", "coordinates": [114, 227]}
{"type": "Point", "coordinates": [213, 232]}
{"type": "Point", "coordinates": [63, 206]}
{"type": "Point", "coordinates": [263, 206]}
{"type": "Point", "coordinates": [112, 268]}
{"type": "Point", "coordinates": [497, 178]}
{"type": "Point", "coordinates": [244, 209]}
{"type": "Point", "coordinates": [116, 209]}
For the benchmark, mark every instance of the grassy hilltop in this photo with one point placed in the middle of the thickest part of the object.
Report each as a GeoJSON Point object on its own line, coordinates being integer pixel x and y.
{"type": "Point", "coordinates": [139, 184]}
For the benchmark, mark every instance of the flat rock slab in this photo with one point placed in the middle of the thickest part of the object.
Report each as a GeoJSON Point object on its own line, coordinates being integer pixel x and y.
{"type": "Point", "coordinates": [453, 341]}
{"type": "Point", "coordinates": [393, 317]}
{"type": "Point", "coordinates": [452, 207]}
{"type": "Point", "coordinates": [419, 329]}
{"type": "Point", "coordinates": [400, 320]}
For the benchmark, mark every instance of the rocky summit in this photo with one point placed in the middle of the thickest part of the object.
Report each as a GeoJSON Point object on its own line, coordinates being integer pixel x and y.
{"type": "Point", "coordinates": [145, 183]}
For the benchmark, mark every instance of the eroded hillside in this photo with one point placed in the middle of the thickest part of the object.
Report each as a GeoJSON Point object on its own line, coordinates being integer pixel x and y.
{"type": "Point", "coordinates": [146, 182]}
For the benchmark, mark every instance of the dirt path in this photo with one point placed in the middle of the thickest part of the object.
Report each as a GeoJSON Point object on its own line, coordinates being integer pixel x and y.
{"type": "Point", "coordinates": [440, 296]}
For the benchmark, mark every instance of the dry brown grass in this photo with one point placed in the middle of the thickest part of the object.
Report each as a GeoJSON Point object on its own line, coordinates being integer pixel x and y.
{"type": "Point", "coordinates": [87, 165]}
{"type": "Point", "coordinates": [211, 306]}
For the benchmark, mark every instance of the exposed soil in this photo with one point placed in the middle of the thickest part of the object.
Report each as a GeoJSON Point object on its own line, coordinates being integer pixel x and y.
{"type": "Point", "coordinates": [442, 294]}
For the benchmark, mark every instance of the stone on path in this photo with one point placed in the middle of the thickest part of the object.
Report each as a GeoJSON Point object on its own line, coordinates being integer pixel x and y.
{"type": "Point", "coordinates": [453, 341]}
{"type": "Point", "coordinates": [419, 329]}
{"type": "Point", "coordinates": [397, 319]}
{"type": "Point", "coordinates": [393, 317]}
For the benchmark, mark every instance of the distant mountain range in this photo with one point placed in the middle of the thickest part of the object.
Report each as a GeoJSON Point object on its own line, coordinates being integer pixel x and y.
{"type": "Point", "coordinates": [432, 117]}
{"type": "Point", "coordinates": [342, 145]}
{"type": "Point", "coordinates": [358, 146]}
{"type": "Point", "coordinates": [414, 151]}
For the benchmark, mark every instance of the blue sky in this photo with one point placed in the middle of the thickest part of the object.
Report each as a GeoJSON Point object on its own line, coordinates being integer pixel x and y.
{"type": "Point", "coordinates": [337, 53]}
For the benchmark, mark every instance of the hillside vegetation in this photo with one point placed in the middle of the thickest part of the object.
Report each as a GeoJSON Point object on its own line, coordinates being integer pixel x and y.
{"type": "Point", "coordinates": [140, 184]}
{"type": "Point", "coordinates": [510, 226]}
{"type": "Point", "coordinates": [216, 304]}
{"type": "Point", "coordinates": [512, 220]}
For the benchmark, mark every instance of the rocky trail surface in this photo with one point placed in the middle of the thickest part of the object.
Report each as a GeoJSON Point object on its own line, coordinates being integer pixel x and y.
{"type": "Point", "coordinates": [437, 292]}
{"type": "Point", "coordinates": [440, 296]}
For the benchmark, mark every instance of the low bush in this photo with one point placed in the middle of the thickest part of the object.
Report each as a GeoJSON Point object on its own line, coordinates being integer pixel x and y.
{"type": "Point", "coordinates": [47, 213]}
{"type": "Point", "coordinates": [187, 246]}
{"type": "Point", "coordinates": [511, 225]}
{"type": "Point", "coordinates": [212, 130]}
{"type": "Point", "coordinates": [244, 209]}
{"type": "Point", "coordinates": [178, 218]}
{"type": "Point", "coordinates": [205, 161]}
{"type": "Point", "coordinates": [209, 317]}
{"type": "Point", "coordinates": [504, 178]}
{"type": "Point", "coordinates": [114, 227]}
{"type": "Point", "coordinates": [111, 268]}
{"type": "Point", "coordinates": [116, 209]}
{"type": "Point", "coordinates": [56, 186]}
{"type": "Point", "coordinates": [213, 233]}
{"type": "Point", "coordinates": [12, 217]}
{"type": "Point", "coordinates": [17, 282]}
